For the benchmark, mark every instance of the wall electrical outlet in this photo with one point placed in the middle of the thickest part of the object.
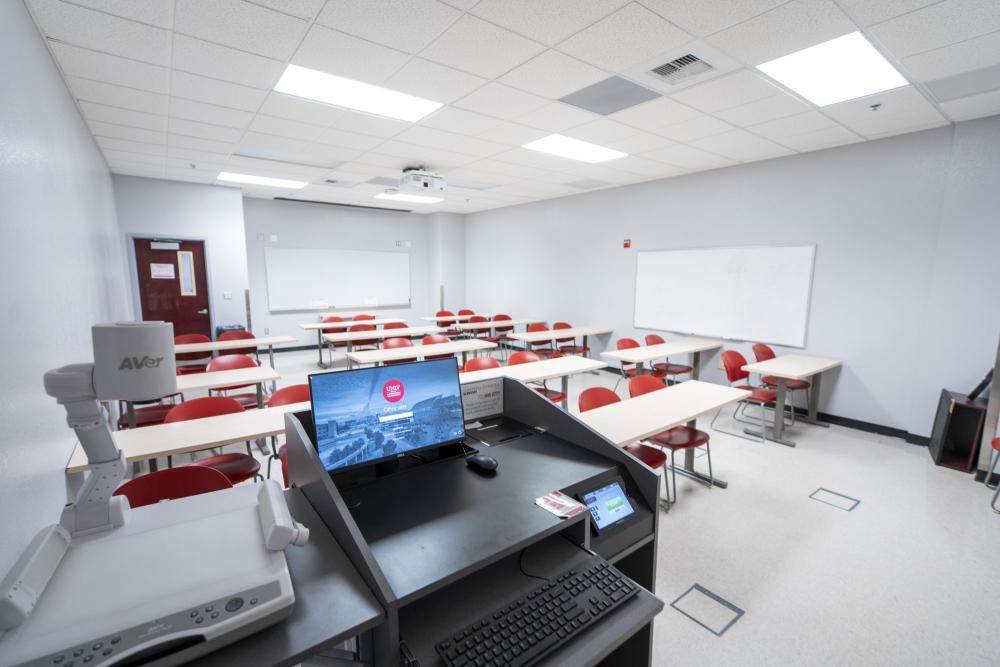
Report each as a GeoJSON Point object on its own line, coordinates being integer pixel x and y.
{"type": "Point", "coordinates": [228, 296]}
{"type": "Point", "coordinates": [267, 331]}
{"type": "Point", "coordinates": [260, 236]}
{"type": "Point", "coordinates": [274, 238]}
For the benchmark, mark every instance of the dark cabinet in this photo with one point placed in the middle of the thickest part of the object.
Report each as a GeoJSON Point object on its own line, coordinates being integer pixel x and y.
{"type": "Point", "coordinates": [958, 428]}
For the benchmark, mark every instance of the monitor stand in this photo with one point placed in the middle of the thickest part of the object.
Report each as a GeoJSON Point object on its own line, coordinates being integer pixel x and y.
{"type": "Point", "coordinates": [349, 479]}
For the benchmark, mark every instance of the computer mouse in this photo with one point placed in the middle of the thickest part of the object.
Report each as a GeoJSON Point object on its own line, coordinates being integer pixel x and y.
{"type": "Point", "coordinates": [482, 463]}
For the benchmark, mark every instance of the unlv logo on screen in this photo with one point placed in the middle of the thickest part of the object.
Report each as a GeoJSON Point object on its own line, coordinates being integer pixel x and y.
{"type": "Point", "coordinates": [392, 391]}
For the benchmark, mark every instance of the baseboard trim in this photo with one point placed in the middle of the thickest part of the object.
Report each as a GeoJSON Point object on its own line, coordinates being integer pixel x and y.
{"type": "Point", "coordinates": [980, 475]}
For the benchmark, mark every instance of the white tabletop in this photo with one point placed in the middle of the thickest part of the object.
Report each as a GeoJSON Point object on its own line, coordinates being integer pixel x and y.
{"type": "Point", "coordinates": [348, 323]}
{"type": "Point", "coordinates": [445, 318]}
{"type": "Point", "coordinates": [419, 351]}
{"type": "Point", "coordinates": [350, 336]}
{"type": "Point", "coordinates": [233, 378]}
{"type": "Point", "coordinates": [536, 370]}
{"type": "Point", "coordinates": [636, 418]}
{"type": "Point", "coordinates": [264, 341]}
{"type": "Point", "coordinates": [638, 355]}
{"type": "Point", "coordinates": [573, 332]}
{"type": "Point", "coordinates": [194, 435]}
{"type": "Point", "coordinates": [478, 326]}
{"type": "Point", "coordinates": [792, 366]}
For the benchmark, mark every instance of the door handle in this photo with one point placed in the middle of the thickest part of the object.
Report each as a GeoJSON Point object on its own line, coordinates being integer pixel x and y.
{"type": "Point", "coordinates": [203, 311]}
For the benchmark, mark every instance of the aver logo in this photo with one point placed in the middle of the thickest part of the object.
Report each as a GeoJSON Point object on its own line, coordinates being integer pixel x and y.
{"type": "Point", "coordinates": [392, 391]}
{"type": "Point", "coordinates": [135, 363]}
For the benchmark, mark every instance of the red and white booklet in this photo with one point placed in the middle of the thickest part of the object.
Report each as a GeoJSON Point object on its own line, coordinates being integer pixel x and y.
{"type": "Point", "coordinates": [560, 504]}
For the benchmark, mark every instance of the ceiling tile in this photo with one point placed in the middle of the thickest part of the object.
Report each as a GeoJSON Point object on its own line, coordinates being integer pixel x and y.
{"type": "Point", "coordinates": [133, 157]}
{"type": "Point", "coordinates": [638, 143]}
{"type": "Point", "coordinates": [298, 108]}
{"type": "Point", "coordinates": [727, 91]}
{"type": "Point", "coordinates": [355, 140]}
{"type": "Point", "coordinates": [705, 17]}
{"type": "Point", "coordinates": [513, 134]}
{"type": "Point", "coordinates": [117, 96]}
{"type": "Point", "coordinates": [154, 12]}
{"type": "Point", "coordinates": [517, 171]}
{"type": "Point", "coordinates": [213, 91]}
{"type": "Point", "coordinates": [240, 25]}
{"type": "Point", "coordinates": [972, 54]}
{"type": "Point", "coordinates": [646, 167]}
{"type": "Point", "coordinates": [606, 172]}
{"type": "Point", "coordinates": [203, 130]}
{"type": "Point", "coordinates": [433, 81]}
{"type": "Point", "coordinates": [479, 147]}
{"type": "Point", "coordinates": [277, 168]}
{"type": "Point", "coordinates": [530, 158]}
{"type": "Point", "coordinates": [108, 143]}
{"type": "Point", "coordinates": [938, 25]}
{"type": "Point", "coordinates": [478, 47]}
{"type": "Point", "coordinates": [428, 136]}
{"type": "Point", "coordinates": [867, 12]}
{"type": "Point", "coordinates": [431, 156]}
{"type": "Point", "coordinates": [548, 22]}
{"type": "Point", "coordinates": [552, 74]}
{"type": "Point", "coordinates": [198, 157]}
{"type": "Point", "coordinates": [284, 149]}
{"type": "Point", "coordinates": [631, 35]}
{"type": "Point", "coordinates": [195, 144]}
{"type": "Point", "coordinates": [341, 54]}
{"type": "Point", "coordinates": [305, 9]}
{"type": "Point", "coordinates": [120, 116]}
{"type": "Point", "coordinates": [376, 126]}
{"type": "Point", "coordinates": [283, 127]}
{"type": "Point", "coordinates": [459, 120]}
{"type": "Point", "coordinates": [688, 157]}
{"type": "Point", "coordinates": [769, 108]}
{"type": "Point", "coordinates": [601, 130]}
{"type": "Point", "coordinates": [89, 64]}
{"type": "Point", "coordinates": [788, 28]}
{"type": "Point", "coordinates": [696, 128]}
{"type": "Point", "coordinates": [976, 106]}
{"type": "Point", "coordinates": [556, 117]}
{"type": "Point", "coordinates": [818, 139]}
{"type": "Point", "coordinates": [901, 109]}
{"type": "Point", "coordinates": [219, 62]}
{"type": "Point", "coordinates": [655, 114]}
{"type": "Point", "coordinates": [496, 99]}
{"type": "Point", "coordinates": [102, 32]}
{"type": "Point", "coordinates": [810, 121]}
{"type": "Point", "coordinates": [407, 25]}
{"type": "Point", "coordinates": [209, 113]}
{"type": "Point", "coordinates": [741, 145]}
{"type": "Point", "coordinates": [110, 130]}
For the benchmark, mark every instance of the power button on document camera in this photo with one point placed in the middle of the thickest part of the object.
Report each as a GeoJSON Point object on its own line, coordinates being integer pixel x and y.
{"type": "Point", "coordinates": [234, 605]}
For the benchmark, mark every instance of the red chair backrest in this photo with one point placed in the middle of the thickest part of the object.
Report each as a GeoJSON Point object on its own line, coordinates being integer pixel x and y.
{"type": "Point", "coordinates": [443, 313]}
{"type": "Point", "coordinates": [626, 343]}
{"type": "Point", "coordinates": [354, 328]}
{"type": "Point", "coordinates": [172, 483]}
{"type": "Point", "coordinates": [478, 318]}
{"type": "Point", "coordinates": [333, 318]}
{"type": "Point", "coordinates": [762, 352]}
{"type": "Point", "coordinates": [434, 339]}
{"type": "Point", "coordinates": [296, 393]}
{"type": "Point", "coordinates": [360, 318]}
{"type": "Point", "coordinates": [643, 384]}
{"type": "Point", "coordinates": [523, 358]}
{"type": "Point", "coordinates": [540, 343]}
{"type": "Point", "coordinates": [502, 330]}
{"type": "Point", "coordinates": [733, 363]}
{"type": "Point", "coordinates": [480, 364]}
{"type": "Point", "coordinates": [395, 325]}
{"type": "Point", "coordinates": [466, 311]}
{"type": "Point", "coordinates": [199, 408]}
{"type": "Point", "coordinates": [185, 339]}
{"type": "Point", "coordinates": [563, 325]}
{"type": "Point", "coordinates": [231, 362]}
{"type": "Point", "coordinates": [392, 343]}
{"type": "Point", "coordinates": [596, 397]}
{"type": "Point", "coordinates": [239, 335]}
{"type": "Point", "coordinates": [654, 339]}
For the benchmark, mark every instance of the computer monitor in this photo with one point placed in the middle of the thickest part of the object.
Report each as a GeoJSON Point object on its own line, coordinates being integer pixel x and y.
{"type": "Point", "coordinates": [369, 415]}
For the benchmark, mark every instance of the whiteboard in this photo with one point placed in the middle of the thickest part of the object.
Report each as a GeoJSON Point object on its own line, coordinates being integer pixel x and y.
{"type": "Point", "coordinates": [325, 278]}
{"type": "Point", "coordinates": [750, 293]}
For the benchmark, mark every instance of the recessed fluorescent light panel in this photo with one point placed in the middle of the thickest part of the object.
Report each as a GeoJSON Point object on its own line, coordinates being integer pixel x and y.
{"type": "Point", "coordinates": [574, 149]}
{"type": "Point", "coordinates": [267, 181]}
{"type": "Point", "coordinates": [357, 95]}
{"type": "Point", "coordinates": [413, 199]}
{"type": "Point", "coordinates": [842, 69]}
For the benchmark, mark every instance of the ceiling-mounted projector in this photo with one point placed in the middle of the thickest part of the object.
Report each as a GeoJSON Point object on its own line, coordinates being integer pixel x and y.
{"type": "Point", "coordinates": [419, 179]}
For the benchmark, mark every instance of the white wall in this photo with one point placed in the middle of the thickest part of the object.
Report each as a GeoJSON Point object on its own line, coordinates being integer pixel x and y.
{"type": "Point", "coordinates": [901, 224]}
{"type": "Point", "coordinates": [447, 242]}
{"type": "Point", "coordinates": [149, 207]}
{"type": "Point", "coordinates": [61, 270]}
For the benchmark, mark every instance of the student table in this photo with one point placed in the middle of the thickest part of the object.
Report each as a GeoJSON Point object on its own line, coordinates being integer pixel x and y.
{"type": "Point", "coordinates": [556, 334]}
{"type": "Point", "coordinates": [350, 337]}
{"type": "Point", "coordinates": [492, 324]}
{"type": "Point", "coordinates": [221, 345]}
{"type": "Point", "coordinates": [792, 367]}
{"type": "Point", "coordinates": [692, 346]}
{"type": "Point", "coordinates": [420, 351]}
{"type": "Point", "coordinates": [448, 319]}
{"type": "Point", "coordinates": [560, 367]}
{"type": "Point", "coordinates": [637, 418]}
{"type": "Point", "coordinates": [319, 326]}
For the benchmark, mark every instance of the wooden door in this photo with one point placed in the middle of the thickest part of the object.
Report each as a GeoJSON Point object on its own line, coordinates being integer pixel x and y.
{"type": "Point", "coordinates": [173, 284]}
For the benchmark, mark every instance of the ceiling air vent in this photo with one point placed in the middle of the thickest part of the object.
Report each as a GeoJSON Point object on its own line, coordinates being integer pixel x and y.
{"type": "Point", "coordinates": [681, 68]}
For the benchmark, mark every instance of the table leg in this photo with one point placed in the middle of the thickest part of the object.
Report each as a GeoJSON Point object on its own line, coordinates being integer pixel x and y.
{"type": "Point", "coordinates": [688, 469]}
{"type": "Point", "coordinates": [350, 348]}
{"type": "Point", "coordinates": [778, 428]}
{"type": "Point", "coordinates": [695, 365]}
{"type": "Point", "coordinates": [153, 467]}
{"type": "Point", "coordinates": [260, 394]}
{"type": "Point", "coordinates": [565, 392]}
{"type": "Point", "coordinates": [813, 415]}
{"type": "Point", "coordinates": [319, 347]}
{"type": "Point", "coordinates": [270, 355]}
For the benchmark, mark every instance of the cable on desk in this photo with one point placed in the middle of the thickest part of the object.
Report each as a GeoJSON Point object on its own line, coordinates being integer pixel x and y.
{"type": "Point", "coordinates": [520, 566]}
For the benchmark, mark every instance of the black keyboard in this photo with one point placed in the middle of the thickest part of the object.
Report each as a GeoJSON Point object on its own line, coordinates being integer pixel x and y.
{"type": "Point", "coordinates": [523, 632]}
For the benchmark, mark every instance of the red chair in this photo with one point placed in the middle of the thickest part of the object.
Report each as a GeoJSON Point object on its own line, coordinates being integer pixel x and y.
{"type": "Point", "coordinates": [763, 352]}
{"type": "Point", "coordinates": [503, 340]}
{"type": "Point", "coordinates": [482, 334]}
{"type": "Point", "coordinates": [990, 471]}
{"type": "Point", "coordinates": [480, 364]}
{"type": "Point", "coordinates": [362, 317]}
{"type": "Point", "coordinates": [171, 484]}
{"type": "Point", "coordinates": [446, 323]}
{"type": "Point", "coordinates": [733, 363]}
{"type": "Point", "coordinates": [236, 467]}
{"type": "Point", "coordinates": [333, 330]}
{"type": "Point", "coordinates": [530, 357]}
{"type": "Point", "coordinates": [231, 362]}
{"type": "Point", "coordinates": [296, 393]}
{"type": "Point", "coordinates": [365, 343]}
{"type": "Point", "coordinates": [678, 437]}
{"type": "Point", "coordinates": [395, 325]}
{"type": "Point", "coordinates": [598, 397]}
{"type": "Point", "coordinates": [466, 311]}
{"type": "Point", "coordinates": [542, 348]}
{"type": "Point", "coordinates": [200, 358]}
{"type": "Point", "coordinates": [395, 343]}
{"type": "Point", "coordinates": [568, 345]}
{"type": "Point", "coordinates": [668, 369]}
{"type": "Point", "coordinates": [632, 370]}
{"type": "Point", "coordinates": [435, 339]}
{"type": "Point", "coordinates": [239, 335]}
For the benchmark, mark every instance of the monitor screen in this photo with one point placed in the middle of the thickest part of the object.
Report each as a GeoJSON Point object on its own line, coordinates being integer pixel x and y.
{"type": "Point", "coordinates": [608, 505]}
{"type": "Point", "coordinates": [370, 414]}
